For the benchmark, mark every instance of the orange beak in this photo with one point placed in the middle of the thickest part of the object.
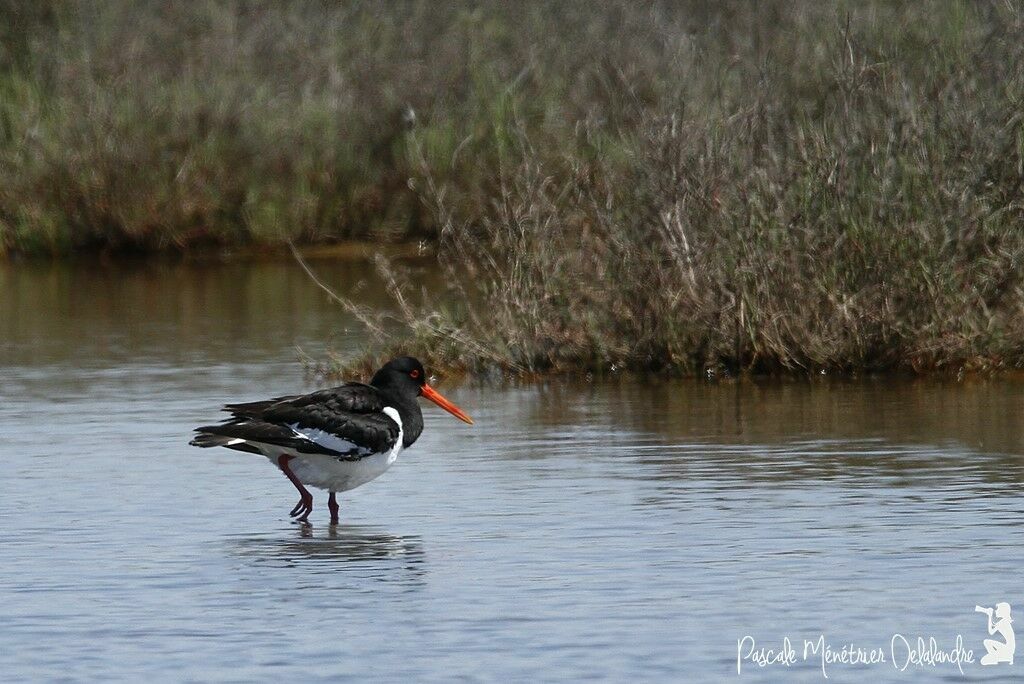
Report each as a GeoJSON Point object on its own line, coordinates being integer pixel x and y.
{"type": "Point", "coordinates": [432, 395]}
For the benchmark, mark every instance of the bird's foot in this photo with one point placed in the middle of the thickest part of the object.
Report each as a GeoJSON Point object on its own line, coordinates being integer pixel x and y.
{"type": "Point", "coordinates": [303, 508]}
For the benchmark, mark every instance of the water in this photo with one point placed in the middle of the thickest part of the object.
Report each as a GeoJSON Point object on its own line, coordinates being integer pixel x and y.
{"type": "Point", "coordinates": [579, 530]}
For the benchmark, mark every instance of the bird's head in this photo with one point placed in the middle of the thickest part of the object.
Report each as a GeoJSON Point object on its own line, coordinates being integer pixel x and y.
{"type": "Point", "coordinates": [406, 375]}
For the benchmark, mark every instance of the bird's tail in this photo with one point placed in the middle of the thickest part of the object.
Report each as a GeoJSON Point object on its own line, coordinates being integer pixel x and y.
{"type": "Point", "coordinates": [206, 440]}
{"type": "Point", "coordinates": [212, 436]}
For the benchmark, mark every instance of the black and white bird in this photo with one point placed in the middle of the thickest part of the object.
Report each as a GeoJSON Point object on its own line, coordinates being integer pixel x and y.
{"type": "Point", "coordinates": [334, 439]}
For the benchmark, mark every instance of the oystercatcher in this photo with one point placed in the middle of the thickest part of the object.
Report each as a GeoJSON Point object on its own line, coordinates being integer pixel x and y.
{"type": "Point", "coordinates": [335, 439]}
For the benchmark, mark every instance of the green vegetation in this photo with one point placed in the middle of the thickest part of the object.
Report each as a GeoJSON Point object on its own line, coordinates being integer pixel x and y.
{"type": "Point", "coordinates": [681, 185]}
{"type": "Point", "coordinates": [139, 126]}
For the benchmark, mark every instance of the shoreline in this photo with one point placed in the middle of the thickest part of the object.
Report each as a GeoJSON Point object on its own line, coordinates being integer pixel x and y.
{"type": "Point", "coordinates": [491, 371]}
{"type": "Point", "coordinates": [342, 250]}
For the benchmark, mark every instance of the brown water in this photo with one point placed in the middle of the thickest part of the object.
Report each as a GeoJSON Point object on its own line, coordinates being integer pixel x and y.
{"type": "Point", "coordinates": [618, 530]}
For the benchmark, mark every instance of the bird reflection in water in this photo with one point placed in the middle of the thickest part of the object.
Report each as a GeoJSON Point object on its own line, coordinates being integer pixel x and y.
{"type": "Point", "coordinates": [364, 551]}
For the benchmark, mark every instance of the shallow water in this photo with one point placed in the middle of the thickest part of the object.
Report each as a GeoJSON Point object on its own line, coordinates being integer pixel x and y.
{"type": "Point", "coordinates": [581, 531]}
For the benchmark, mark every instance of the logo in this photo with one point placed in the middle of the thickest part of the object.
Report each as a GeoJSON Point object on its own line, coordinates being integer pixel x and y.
{"type": "Point", "coordinates": [899, 652]}
{"type": "Point", "coordinates": [999, 622]}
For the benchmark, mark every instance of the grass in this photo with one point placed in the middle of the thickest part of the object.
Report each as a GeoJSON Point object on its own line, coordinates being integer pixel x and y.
{"type": "Point", "coordinates": [691, 187]}
{"type": "Point", "coordinates": [841, 192]}
{"type": "Point", "coordinates": [147, 126]}
{"type": "Point", "coordinates": [142, 126]}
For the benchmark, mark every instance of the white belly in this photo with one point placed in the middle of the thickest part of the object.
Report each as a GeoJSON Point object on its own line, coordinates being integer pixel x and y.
{"type": "Point", "coordinates": [327, 472]}
{"type": "Point", "coordinates": [330, 473]}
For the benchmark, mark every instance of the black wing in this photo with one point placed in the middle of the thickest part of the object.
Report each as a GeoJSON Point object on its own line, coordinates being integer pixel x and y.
{"type": "Point", "coordinates": [351, 413]}
{"type": "Point", "coordinates": [255, 409]}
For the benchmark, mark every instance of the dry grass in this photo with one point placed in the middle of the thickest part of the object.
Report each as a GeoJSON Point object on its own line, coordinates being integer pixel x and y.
{"type": "Point", "coordinates": [152, 125]}
{"type": "Point", "coordinates": [694, 186]}
{"type": "Point", "coordinates": [840, 192]}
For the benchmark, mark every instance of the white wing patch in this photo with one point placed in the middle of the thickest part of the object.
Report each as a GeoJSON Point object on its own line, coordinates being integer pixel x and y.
{"type": "Point", "coordinates": [326, 439]}
{"type": "Point", "coordinates": [393, 415]}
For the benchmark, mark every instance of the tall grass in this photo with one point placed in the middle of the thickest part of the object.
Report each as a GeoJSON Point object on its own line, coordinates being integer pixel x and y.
{"type": "Point", "coordinates": [694, 186]}
{"type": "Point", "coordinates": [147, 125]}
{"type": "Point", "coordinates": [810, 189]}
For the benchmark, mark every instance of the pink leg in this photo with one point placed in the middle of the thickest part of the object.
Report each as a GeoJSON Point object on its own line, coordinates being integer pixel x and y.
{"type": "Point", "coordinates": [305, 506]}
{"type": "Point", "coordinates": [332, 504]}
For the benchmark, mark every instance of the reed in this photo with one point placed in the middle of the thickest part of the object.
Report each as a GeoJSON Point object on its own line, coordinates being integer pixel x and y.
{"type": "Point", "coordinates": [692, 186]}
{"type": "Point", "coordinates": [828, 195]}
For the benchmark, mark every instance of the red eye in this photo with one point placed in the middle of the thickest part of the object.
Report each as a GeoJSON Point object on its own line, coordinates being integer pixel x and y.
{"type": "Point", "coordinates": [414, 374]}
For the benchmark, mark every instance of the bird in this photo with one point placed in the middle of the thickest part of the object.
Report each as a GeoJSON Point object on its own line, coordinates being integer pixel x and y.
{"type": "Point", "coordinates": [334, 439]}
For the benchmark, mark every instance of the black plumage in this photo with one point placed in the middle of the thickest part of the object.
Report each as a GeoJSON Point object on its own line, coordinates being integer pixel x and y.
{"type": "Point", "coordinates": [356, 426]}
{"type": "Point", "coordinates": [353, 412]}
